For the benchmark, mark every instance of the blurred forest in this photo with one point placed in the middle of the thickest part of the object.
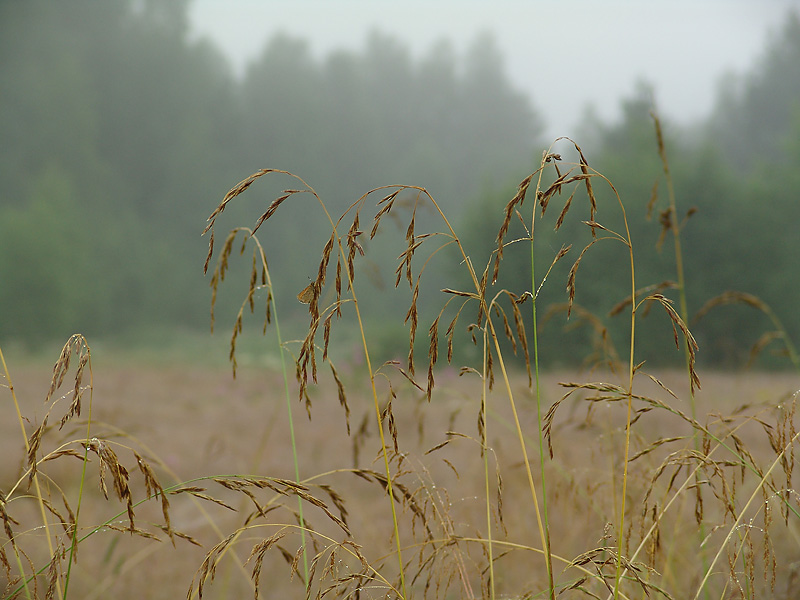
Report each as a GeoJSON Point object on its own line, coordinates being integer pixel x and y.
{"type": "Point", "coordinates": [121, 134]}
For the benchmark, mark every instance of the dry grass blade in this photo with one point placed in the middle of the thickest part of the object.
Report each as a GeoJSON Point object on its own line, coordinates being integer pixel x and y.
{"type": "Point", "coordinates": [433, 354]}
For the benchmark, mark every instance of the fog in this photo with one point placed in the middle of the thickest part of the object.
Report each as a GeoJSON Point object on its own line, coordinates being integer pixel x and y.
{"type": "Point", "coordinates": [125, 123]}
{"type": "Point", "coordinates": [568, 56]}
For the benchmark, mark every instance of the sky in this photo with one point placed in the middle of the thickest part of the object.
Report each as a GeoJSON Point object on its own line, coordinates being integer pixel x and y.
{"type": "Point", "coordinates": [567, 55]}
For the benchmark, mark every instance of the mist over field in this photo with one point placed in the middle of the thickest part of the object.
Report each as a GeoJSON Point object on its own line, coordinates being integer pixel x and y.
{"type": "Point", "coordinates": [123, 129]}
{"type": "Point", "coordinates": [452, 357]}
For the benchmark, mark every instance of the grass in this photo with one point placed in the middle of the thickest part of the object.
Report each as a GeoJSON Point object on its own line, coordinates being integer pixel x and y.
{"type": "Point", "coordinates": [488, 479]}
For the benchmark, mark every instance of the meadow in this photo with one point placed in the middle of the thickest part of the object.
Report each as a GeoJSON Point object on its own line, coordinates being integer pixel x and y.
{"type": "Point", "coordinates": [317, 475]}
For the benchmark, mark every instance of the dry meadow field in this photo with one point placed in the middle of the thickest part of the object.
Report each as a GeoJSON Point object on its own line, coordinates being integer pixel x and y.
{"type": "Point", "coordinates": [191, 422]}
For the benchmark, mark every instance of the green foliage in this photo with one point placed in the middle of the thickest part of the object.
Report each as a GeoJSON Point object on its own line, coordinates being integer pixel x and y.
{"type": "Point", "coordinates": [738, 229]}
{"type": "Point", "coordinates": [753, 116]}
{"type": "Point", "coordinates": [118, 127]}
{"type": "Point", "coordinates": [144, 123]}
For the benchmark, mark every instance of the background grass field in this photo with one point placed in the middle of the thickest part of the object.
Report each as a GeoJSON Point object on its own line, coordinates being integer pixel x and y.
{"type": "Point", "coordinates": [199, 421]}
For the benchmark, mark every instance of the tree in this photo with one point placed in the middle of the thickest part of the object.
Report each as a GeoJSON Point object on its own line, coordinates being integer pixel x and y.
{"type": "Point", "coordinates": [754, 111]}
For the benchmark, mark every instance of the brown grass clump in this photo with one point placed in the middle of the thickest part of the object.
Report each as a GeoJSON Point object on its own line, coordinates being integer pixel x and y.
{"type": "Point", "coordinates": [476, 480]}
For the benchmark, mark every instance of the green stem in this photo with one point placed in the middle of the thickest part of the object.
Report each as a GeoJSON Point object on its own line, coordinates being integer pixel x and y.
{"type": "Point", "coordinates": [485, 453]}
{"type": "Point", "coordinates": [74, 543]}
{"type": "Point", "coordinates": [621, 534]}
{"type": "Point", "coordinates": [548, 556]}
{"type": "Point", "coordinates": [282, 351]}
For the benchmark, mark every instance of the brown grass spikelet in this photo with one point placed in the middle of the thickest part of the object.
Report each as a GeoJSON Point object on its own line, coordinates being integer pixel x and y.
{"type": "Point", "coordinates": [60, 369]}
{"type": "Point", "coordinates": [272, 208]}
{"type": "Point", "coordinates": [353, 247]}
{"type": "Point", "coordinates": [325, 260]}
{"type": "Point", "coordinates": [33, 447]}
{"type": "Point", "coordinates": [490, 368]}
{"type": "Point", "coordinates": [387, 416]}
{"type": "Point", "coordinates": [257, 553]}
{"type": "Point", "coordinates": [571, 277]}
{"type": "Point", "coordinates": [563, 214]}
{"type": "Point", "coordinates": [656, 288]}
{"type": "Point", "coordinates": [68, 522]}
{"type": "Point", "coordinates": [342, 396]}
{"type": "Point", "coordinates": [433, 354]}
{"type": "Point", "coordinates": [77, 345]}
{"type": "Point", "coordinates": [337, 499]}
{"type": "Point", "coordinates": [482, 296]}
{"type": "Point", "coordinates": [324, 508]}
{"type": "Point", "coordinates": [677, 323]}
{"type": "Point", "coordinates": [555, 188]}
{"type": "Point", "coordinates": [386, 204]}
{"type": "Point", "coordinates": [154, 489]}
{"type": "Point", "coordinates": [501, 313]}
{"type": "Point", "coordinates": [198, 492]}
{"type": "Point", "coordinates": [232, 193]}
{"type": "Point", "coordinates": [8, 520]}
{"type": "Point", "coordinates": [588, 182]}
{"type": "Point", "coordinates": [412, 320]}
{"type": "Point", "coordinates": [519, 198]}
{"type": "Point", "coordinates": [119, 474]}
{"type": "Point", "coordinates": [326, 335]}
{"type": "Point", "coordinates": [208, 568]}
{"type": "Point", "coordinates": [53, 572]}
{"type": "Point", "coordinates": [451, 328]}
{"type": "Point", "coordinates": [519, 323]}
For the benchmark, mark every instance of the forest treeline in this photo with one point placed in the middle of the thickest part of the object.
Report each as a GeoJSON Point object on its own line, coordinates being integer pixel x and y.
{"type": "Point", "coordinates": [121, 133]}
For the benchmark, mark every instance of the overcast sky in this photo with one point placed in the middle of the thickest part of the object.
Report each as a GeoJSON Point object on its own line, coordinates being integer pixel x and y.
{"type": "Point", "coordinates": [567, 54]}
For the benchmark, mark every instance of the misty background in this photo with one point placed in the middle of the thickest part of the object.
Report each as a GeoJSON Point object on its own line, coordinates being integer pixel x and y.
{"type": "Point", "coordinates": [125, 122]}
